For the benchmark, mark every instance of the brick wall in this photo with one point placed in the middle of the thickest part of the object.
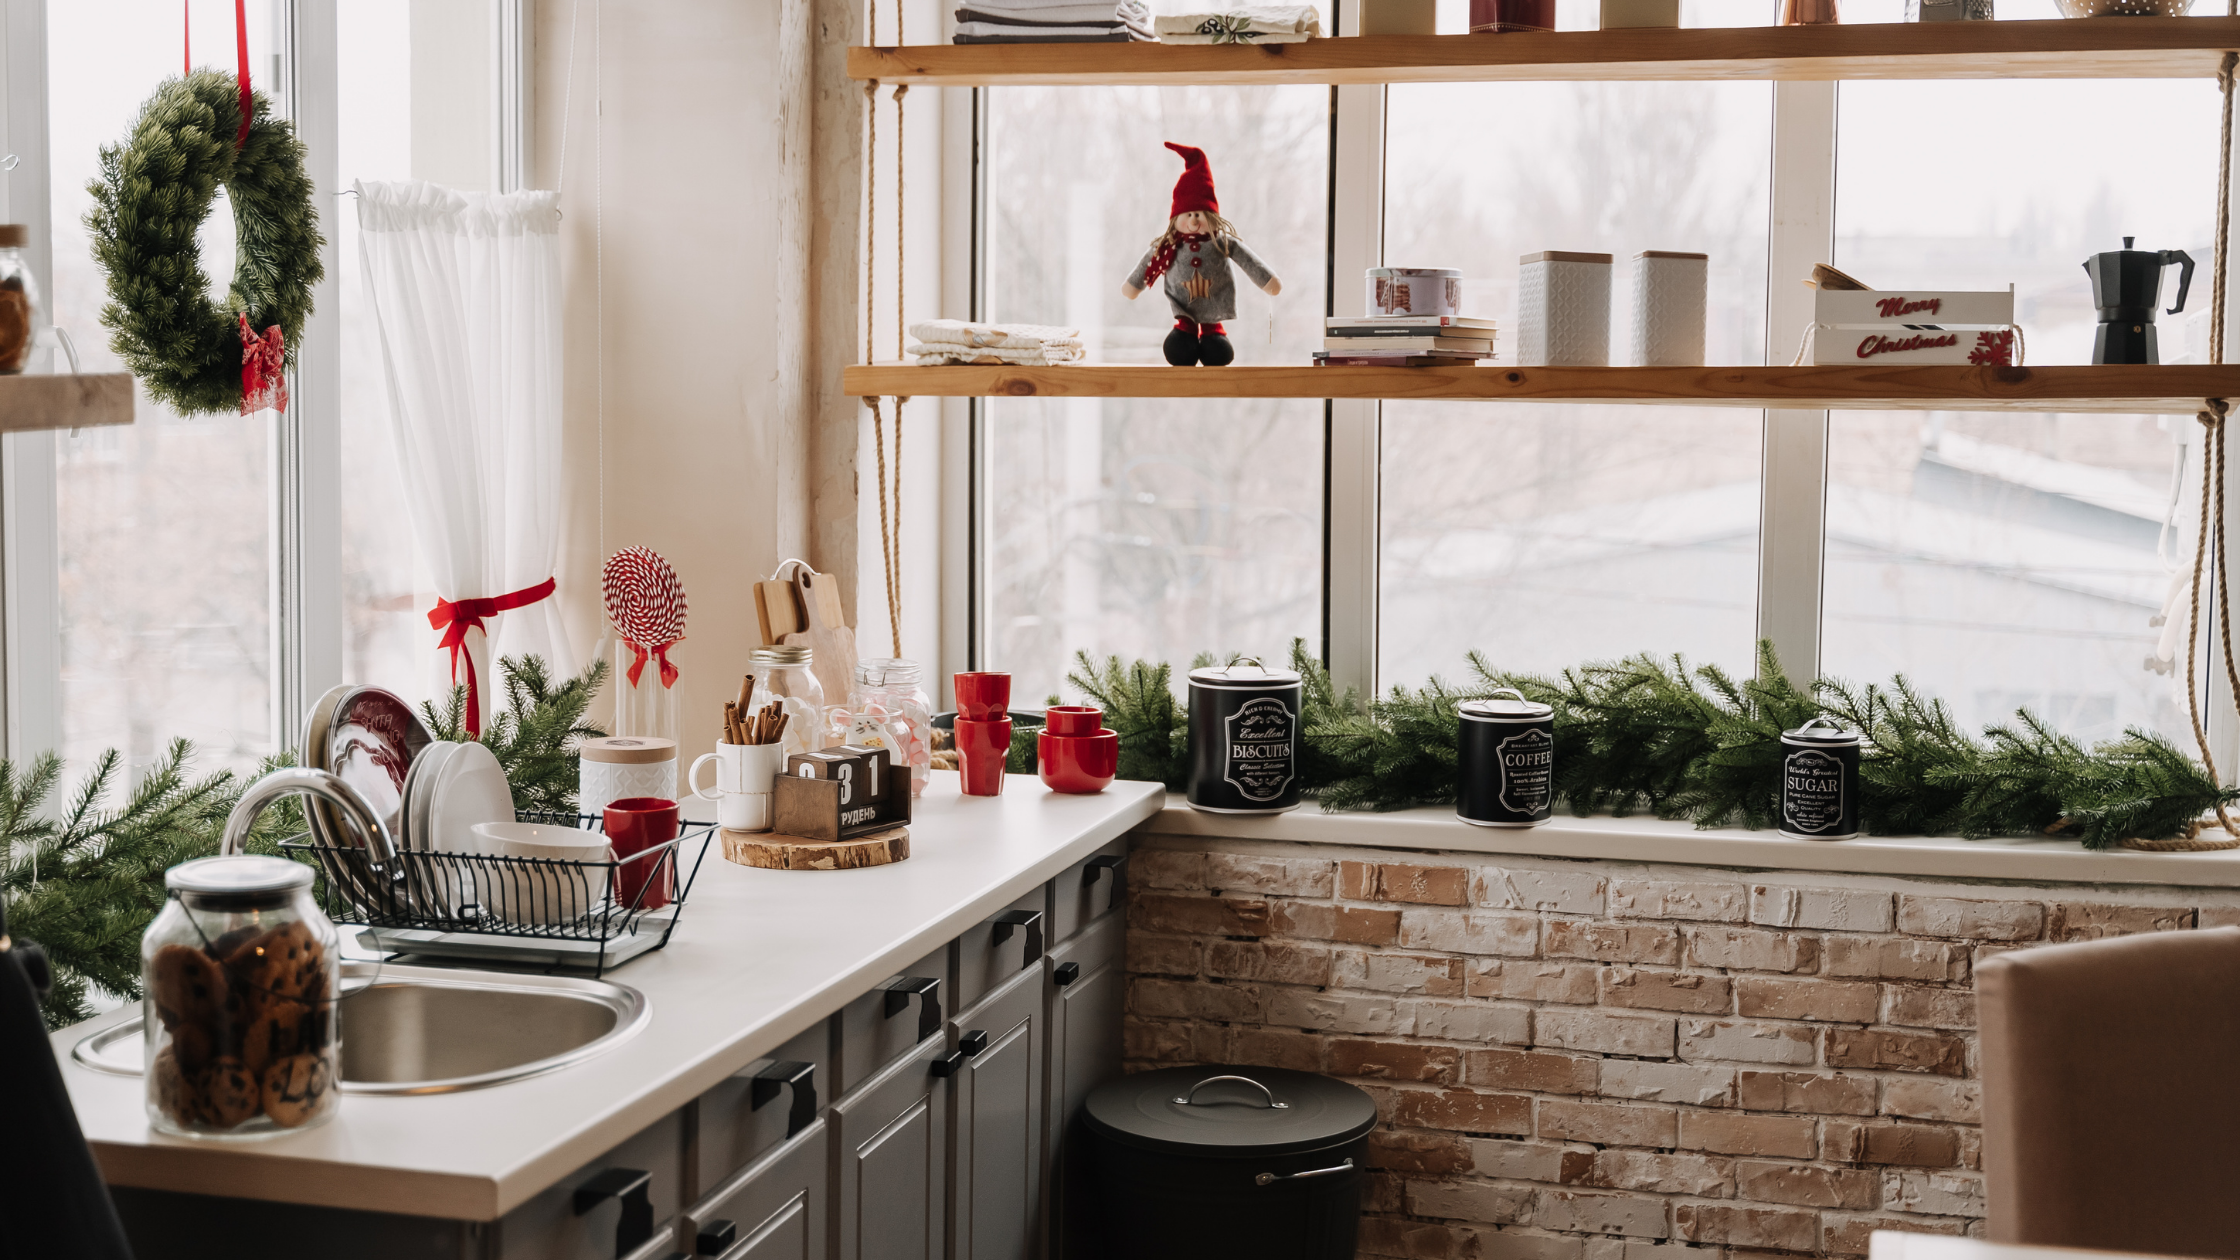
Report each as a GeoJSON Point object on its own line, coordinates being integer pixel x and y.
{"type": "Point", "coordinates": [1603, 1060]}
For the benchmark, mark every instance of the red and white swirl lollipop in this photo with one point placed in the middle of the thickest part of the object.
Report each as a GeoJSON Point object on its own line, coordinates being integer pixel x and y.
{"type": "Point", "coordinates": [646, 603]}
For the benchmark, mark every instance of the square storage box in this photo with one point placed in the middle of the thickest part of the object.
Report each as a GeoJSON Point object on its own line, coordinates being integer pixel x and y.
{"type": "Point", "coordinates": [1563, 310]}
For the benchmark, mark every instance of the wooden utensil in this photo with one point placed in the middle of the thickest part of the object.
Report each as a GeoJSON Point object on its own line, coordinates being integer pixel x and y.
{"type": "Point", "coordinates": [827, 636]}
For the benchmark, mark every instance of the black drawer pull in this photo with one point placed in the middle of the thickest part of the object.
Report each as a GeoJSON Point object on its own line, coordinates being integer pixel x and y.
{"type": "Point", "coordinates": [947, 1064]}
{"type": "Point", "coordinates": [1031, 920]}
{"type": "Point", "coordinates": [1066, 974]}
{"type": "Point", "coordinates": [928, 991]}
{"type": "Point", "coordinates": [1095, 870]}
{"type": "Point", "coordinates": [715, 1237]}
{"type": "Point", "coordinates": [632, 1188]}
{"type": "Point", "coordinates": [1269, 1179]}
{"type": "Point", "coordinates": [972, 1043]}
{"type": "Point", "coordinates": [802, 1077]}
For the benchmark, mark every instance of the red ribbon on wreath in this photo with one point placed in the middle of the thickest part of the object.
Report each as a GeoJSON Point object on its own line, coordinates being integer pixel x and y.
{"type": "Point", "coordinates": [457, 616]}
{"type": "Point", "coordinates": [264, 371]}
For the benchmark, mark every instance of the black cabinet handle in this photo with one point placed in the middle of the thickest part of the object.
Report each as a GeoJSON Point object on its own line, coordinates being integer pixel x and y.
{"type": "Point", "coordinates": [928, 991]}
{"type": "Point", "coordinates": [802, 1077]}
{"type": "Point", "coordinates": [715, 1238]}
{"type": "Point", "coordinates": [1101, 863]}
{"type": "Point", "coordinates": [947, 1064]}
{"type": "Point", "coordinates": [972, 1043]}
{"type": "Point", "coordinates": [1066, 973]}
{"type": "Point", "coordinates": [1031, 920]}
{"type": "Point", "coordinates": [633, 1189]}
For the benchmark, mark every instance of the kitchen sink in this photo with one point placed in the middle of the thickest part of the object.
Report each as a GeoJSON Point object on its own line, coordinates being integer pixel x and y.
{"type": "Point", "coordinates": [433, 1030]}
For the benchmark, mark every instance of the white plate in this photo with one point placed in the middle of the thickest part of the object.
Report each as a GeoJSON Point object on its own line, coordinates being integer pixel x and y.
{"type": "Point", "coordinates": [470, 789]}
{"type": "Point", "coordinates": [419, 789]}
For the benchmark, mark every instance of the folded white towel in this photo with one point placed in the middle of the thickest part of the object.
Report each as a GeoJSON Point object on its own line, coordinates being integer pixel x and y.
{"type": "Point", "coordinates": [1245, 24]}
{"type": "Point", "coordinates": [1006, 336]}
{"type": "Point", "coordinates": [1134, 11]}
{"type": "Point", "coordinates": [936, 356]}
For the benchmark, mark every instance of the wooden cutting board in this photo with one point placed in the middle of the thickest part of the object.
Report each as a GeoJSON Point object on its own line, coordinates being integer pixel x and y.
{"type": "Point", "coordinates": [777, 851]}
{"type": "Point", "coordinates": [830, 640]}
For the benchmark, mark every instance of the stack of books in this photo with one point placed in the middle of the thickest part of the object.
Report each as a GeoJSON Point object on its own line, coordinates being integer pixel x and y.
{"type": "Point", "coordinates": [1404, 340]}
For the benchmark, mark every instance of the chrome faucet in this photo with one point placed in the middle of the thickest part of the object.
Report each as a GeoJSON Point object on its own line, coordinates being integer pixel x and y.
{"type": "Point", "coordinates": [356, 811]}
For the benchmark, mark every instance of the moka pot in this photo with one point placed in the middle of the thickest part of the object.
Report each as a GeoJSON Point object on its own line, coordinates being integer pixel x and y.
{"type": "Point", "coordinates": [2127, 287]}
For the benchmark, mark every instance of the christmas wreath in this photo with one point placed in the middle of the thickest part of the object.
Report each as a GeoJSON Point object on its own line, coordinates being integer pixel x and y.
{"type": "Point", "coordinates": [154, 191]}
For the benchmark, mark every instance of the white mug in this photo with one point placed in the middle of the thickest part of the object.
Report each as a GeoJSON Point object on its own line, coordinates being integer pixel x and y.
{"type": "Point", "coordinates": [742, 791]}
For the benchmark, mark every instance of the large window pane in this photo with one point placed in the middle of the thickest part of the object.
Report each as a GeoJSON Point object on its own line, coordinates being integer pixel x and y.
{"type": "Point", "coordinates": [1151, 527]}
{"type": "Point", "coordinates": [1547, 535]}
{"type": "Point", "coordinates": [2004, 560]}
{"type": "Point", "coordinates": [164, 526]}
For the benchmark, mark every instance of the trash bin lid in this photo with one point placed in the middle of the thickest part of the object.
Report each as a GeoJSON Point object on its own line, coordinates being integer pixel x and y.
{"type": "Point", "coordinates": [1230, 1112]}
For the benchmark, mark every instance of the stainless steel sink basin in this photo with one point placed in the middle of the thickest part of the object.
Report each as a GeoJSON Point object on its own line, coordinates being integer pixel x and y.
{"type": "Point", "coordinates": [432, 1030]}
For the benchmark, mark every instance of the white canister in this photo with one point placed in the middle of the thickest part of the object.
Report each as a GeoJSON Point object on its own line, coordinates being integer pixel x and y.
{"type": "Point", "coordinates": [615, 767]}
{"type": "Point", "coordinates": [1414, 291]}
{"type": "Point", "coordinates": [1563, 310]}
{"type": "Point", "coordinates": [1669, 296]}
{"type": "Point", "coordinates": [743, 783]}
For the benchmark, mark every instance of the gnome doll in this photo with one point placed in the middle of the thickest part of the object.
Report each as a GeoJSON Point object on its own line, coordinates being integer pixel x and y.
{"type": "Point", "coordinates": [1194, 255]}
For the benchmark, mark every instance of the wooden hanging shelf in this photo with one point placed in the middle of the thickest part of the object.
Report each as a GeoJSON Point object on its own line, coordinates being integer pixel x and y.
{"type": "Point", "coordinates": [64, 402]}
{"type": "Point", "coordinates": [2097, 48]}
{"type": "Point", "coordinates": [2123, 389]}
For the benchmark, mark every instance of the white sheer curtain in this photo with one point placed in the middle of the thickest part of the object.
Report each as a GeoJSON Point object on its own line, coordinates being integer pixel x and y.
{"type": "Point", "coordinates": [465, 290]}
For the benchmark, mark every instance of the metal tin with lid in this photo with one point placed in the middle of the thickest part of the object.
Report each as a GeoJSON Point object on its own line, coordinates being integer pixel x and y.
{"type": "Point", "coordinates": [1505, 761]}
{"type": "Point", "coordinates": [1820, 781]}
{"type": "Point", "coordinates": [617, 767]}
{"type": "Point", "coordinates": [1244, 738]}
{"type": "Point", "coordinates": [1229, 1161]}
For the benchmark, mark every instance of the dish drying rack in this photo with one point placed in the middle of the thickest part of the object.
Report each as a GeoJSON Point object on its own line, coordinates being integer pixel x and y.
{"type": "Point", "coordinates": [541, 911]}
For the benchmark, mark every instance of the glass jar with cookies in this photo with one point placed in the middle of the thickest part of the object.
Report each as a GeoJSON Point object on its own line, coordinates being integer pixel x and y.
{"type": "Point", "coordinates": [240, 975]}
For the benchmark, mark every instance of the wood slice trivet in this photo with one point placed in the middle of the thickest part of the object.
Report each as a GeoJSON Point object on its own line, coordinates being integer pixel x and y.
{"type": "Point", "coordinates": [777, 851]}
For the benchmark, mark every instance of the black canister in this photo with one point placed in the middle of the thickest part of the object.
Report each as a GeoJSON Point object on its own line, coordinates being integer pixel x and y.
{"type": "Point", "coordinates": [1820, 781]}
{"type": "Point", "coordinates": [1217, 1163]}
{"type": "Point", "coordinates": [1505, 762]}
{"type": "Point", "coordinates": [1244, 738]}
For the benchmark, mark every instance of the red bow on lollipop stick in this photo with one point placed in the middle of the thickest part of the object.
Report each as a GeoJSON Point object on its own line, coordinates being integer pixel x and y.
{"type": "Point", "coordinates": [264, 376]}
{"type": "Point", "coordinates": [646, 603]}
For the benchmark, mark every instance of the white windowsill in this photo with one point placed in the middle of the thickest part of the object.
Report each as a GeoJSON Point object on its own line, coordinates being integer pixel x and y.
{"type": "Point", "coordinates": [1641, 839]}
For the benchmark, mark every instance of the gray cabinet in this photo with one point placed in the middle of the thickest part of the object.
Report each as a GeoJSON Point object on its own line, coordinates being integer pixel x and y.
{"type": "Point", "coordinates": [1088, 987]}
{"type": "Point", "coordinates": [765, 1103]}
{"type": "Point", "coordinates": [775, 1209]}
{"type": "Point", "coordinates": [890, 1157]}
{"type": "Point", "coordinates": [996, 1175]}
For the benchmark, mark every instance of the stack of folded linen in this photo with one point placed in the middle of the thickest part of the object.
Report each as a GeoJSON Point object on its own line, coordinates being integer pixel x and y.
{"type": "Point", "coordinates": [1240, 24]}
{"type": "Point", "coordinates": [1053, 22]}
{"type": "Point", "coordinates": [1021, 345]}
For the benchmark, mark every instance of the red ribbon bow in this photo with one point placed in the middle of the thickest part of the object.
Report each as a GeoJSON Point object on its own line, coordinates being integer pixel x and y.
{"type": "Point", "coordinates": [659, 652]}
{"type": "Point", "coordinates": [457, 616]}
{"type": "Point", "coordinates": [264, 374]}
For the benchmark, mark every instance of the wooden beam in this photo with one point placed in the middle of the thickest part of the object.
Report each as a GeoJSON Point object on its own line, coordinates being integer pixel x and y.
{"type": "Point", "coordinates": [2099, 48]}
{"type": "Point", "coordinates": [2120, 389]}
{"type": "Point", "coordinates": [64, 402]}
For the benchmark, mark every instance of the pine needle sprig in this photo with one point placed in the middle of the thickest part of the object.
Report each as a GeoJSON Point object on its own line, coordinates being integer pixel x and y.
{"type": "Point", "coordinates": [2139, 785]}
{"type": "Point", "coordinates": [1139, 706]}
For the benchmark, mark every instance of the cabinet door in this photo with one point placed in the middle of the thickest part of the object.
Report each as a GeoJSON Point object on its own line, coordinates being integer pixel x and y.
{"type": "Point", "coordinates": [773, 1210]}
{"type": "Point", "coordinates": [891, 1148]}
{"type": "Point", "coordinates": [996, 1201]}
{"type": "Point", "coordinates": [1088, 986]}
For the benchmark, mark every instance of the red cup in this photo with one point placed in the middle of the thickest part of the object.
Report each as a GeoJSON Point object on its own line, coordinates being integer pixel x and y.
{"type": "Point", "coordinates": [983, 697]}
{"type": "Point", "coordinates": [635, 824]}
{"type": "Point", "coordinates": [1074, 719]}
{"type": "Point", "coordinates": [984, 745]}
{"type": "Point", "coordinates": [1077, 763]}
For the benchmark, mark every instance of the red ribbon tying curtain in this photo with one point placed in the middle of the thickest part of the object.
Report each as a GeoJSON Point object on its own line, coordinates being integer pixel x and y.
{"type": "Point", "coordinates": [456, 617]}
{"type": "Point", "coordinates": [659, 652]}
{"type": "Point", "coordinates": [240, 50]}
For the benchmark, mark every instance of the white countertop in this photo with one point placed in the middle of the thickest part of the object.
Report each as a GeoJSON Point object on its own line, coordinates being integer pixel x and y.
{"type": "Point", "coordinates": [1645, 839]}
{"type": "Point", "coordinates": [758, 956]}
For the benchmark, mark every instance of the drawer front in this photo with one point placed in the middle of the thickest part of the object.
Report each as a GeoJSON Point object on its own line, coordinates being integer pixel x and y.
{"type": "Point", "coordinates": [984, 961]}
{"type": "Point", "coordinates": [622, 1204]}
{"type": "Point", "coordinates": [890, 1157]}
{"type": "Point", "coordinates": [767, 1102]}
{"type": "Point", "coordinates": [884, 1024]}
{"type": "Point", "coordinates": [1088, 890]}
{"type": "Point", "coordinates": [775, 1209]}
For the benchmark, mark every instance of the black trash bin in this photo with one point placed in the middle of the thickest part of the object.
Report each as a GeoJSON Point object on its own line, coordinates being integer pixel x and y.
{"type": "Point", "coordinates": [1227, 1163]}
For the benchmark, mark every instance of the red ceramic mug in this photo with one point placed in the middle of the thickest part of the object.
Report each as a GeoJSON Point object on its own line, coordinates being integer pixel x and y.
{"type": "Point", "coordinates": [984, 746]}
{"type": "Point", "coordinates": [1074, 719]}
{"type": "Point", "coordinates": [1077, 763]}
{"type": "Point", "coordinates": [983, 697]}
{"type": "Point", "coordinates": [635, 824]}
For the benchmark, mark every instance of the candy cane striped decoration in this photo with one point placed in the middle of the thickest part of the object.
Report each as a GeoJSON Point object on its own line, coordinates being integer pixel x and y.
{"type": "Point", "coordinates": [646, 603]}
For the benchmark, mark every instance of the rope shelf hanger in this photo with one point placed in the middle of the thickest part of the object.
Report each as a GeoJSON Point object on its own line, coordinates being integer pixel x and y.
{"type": "Point", "coordinates": [890, 497]}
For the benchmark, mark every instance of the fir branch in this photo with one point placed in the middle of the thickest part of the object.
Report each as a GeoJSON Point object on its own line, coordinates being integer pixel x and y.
{"type": "Point", "coordinates": [535, 737]}
{"type": "Point", "coordinates": [1139, 706]}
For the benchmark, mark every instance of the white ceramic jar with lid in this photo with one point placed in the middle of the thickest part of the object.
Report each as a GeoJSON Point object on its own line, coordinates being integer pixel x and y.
{"type": "Point", "coordinates": [1670, 295]}
{"type": "Point", "coordinates": [1563, 309]}
{"type": "Point", "coordinates": [617, 767]}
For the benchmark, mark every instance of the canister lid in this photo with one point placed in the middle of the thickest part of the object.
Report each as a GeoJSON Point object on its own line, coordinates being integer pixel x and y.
{"type": "Point", "coordinates": [779, 654]}
{"type": "Point", "coordinates": [1245, 671]}
{"type": "Point", "coordinates": [238, 875]}
{"type": "Point", "coordinates": [1230, 1111]}
{"type": "Point", "coordinates": [1824, 729]}
{"type": "Point", "coordinates": [1562, 255]}
{"type": "Point", "coordinates": [629, 750]}
{"type": "Point", "coordinates": [1496, 708]}
{"type": "Point", "coordinates": [1666, 253]}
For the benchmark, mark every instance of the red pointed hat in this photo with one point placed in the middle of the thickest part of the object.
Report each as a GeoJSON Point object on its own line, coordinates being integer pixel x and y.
{"type": "Point", "coordinates": [1194, 191]}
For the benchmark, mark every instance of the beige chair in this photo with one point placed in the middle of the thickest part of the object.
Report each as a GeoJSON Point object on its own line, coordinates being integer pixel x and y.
{"type": "Point", "coordinates": [2111, 1094]}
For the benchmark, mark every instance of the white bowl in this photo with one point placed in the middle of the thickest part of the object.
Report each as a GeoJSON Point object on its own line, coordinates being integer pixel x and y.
{"type": "Point", "coordinates": [527, 892]}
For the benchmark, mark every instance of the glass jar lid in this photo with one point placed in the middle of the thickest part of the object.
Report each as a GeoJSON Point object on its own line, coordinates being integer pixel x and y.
{"type": "Point", "coordinates": [1244, 671]}
{"type": "Point", "coordinates": [237, 881]}
{"type": "Point", "coordinates": [778, 655]}
{"type": "Point", "coordinates": [887, 671]}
